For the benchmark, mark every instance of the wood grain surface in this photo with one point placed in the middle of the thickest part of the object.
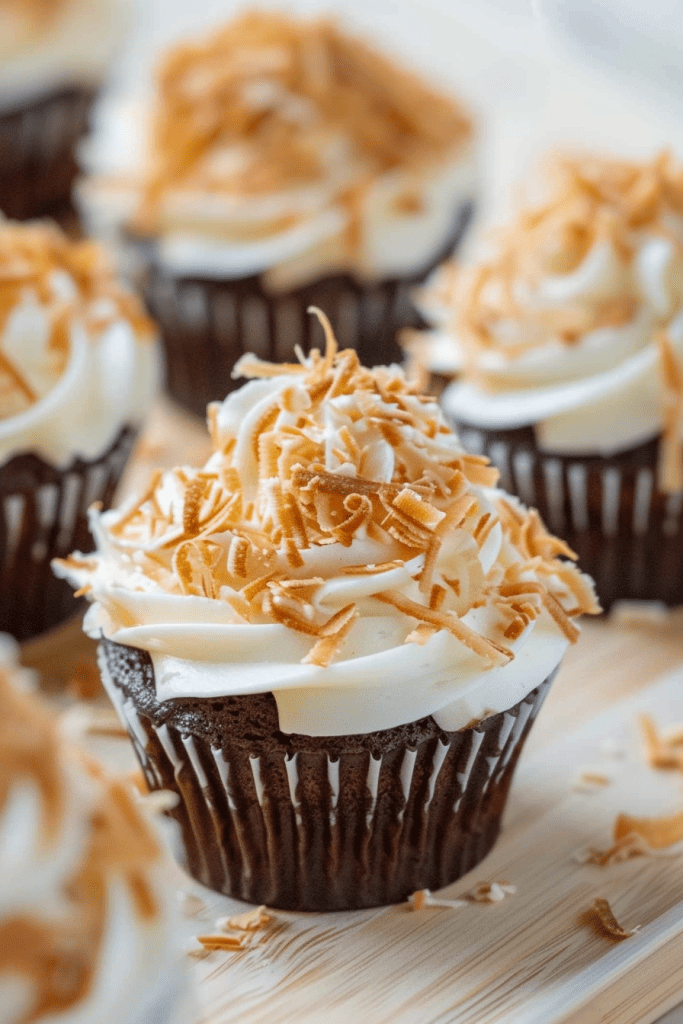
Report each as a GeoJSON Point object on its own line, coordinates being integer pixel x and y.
{"type": "Point", "coordinates": [529, 958]}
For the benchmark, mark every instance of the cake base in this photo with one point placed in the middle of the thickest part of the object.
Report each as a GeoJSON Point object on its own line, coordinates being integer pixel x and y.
{"type": "Point", "coordinates": [318, 823]}
{"type": "Point", "coordinates": [44, 515]}
{"type": "Point", "coordinates": [627, 533]}
{"type": "Point", "coordinates": [207, 325]}
{"type": "Point", "coordinates": [37, 153]}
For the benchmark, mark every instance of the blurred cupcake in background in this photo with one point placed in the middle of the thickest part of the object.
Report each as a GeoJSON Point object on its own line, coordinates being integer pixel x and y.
{"type": "Point", "coordinates": [569, 337]}
{"type": "Point", "coordinates": [78, 370]}
{"type": "Point", "coordinates": [289, 164]}
{"type": "Point", "coordinates": [54, 55]}
{"type": "Point", "coordinates": [88, 930]}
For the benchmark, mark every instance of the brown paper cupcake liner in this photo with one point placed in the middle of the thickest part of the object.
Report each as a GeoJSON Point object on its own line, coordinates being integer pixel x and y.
{"type": "Point", "coordinates": [206, 325]}
{"type": "Point", "coordinates": [628, 534]}
{"type": "Point", "coordinates": [43, 515]}
{"type": "Point", "coordinates": [316, 823]}
{"type": "Point", "coordinates": [37, 153]}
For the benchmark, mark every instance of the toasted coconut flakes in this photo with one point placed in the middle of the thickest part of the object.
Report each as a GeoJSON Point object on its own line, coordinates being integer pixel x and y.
{"type": "Point", "coordinates": [627, 847]}
{"type": "Point", "coordinates": [673, 736]}
{"type": "Point", "coordinates": [421, 634]}
{"type": "Point", "coordinates": [602, 919]}
{"type": "Point", "coordinates": [359, 509]}
{"type": "Point", "coordinates": [194, 496]}
{"type": "Point", "coordinates": [337, 483]}
{"type": "Point", "coordinates": [268, 455]}
{"type": "Point", "coordinates": [424, 898]}
{"type": "Point", "coordinates": [206, 535]}
{"type": "Point", "coordinates": [658, 833]}
{"type": "Point", "coordinates": [371, 569]}
{"type": "Point", "coordinates": [412, 505]}
{"type": "Point", "coordinates": [212, 411]}
{"type": "Point", "coordinates": [391, 433]}
{"type": "Point", "coordinates": [561, 618]}
{"type": "Point", "coordinates": [418, 900]}
{"type": "Point", "coordinates": [333, 633]}
{"type": "Point", "coordinates": [210, 943]}
{"type": "Point", "coordinates": [481, 646]}
{"type": "Point", "coordinates": [239, 606]}
{"type": "Point", "coordinates": [251, 921]}
{"type": "Point", "coordinates": [490, 892]}
{"type": "Point", "coordinates": [671, 448]}
{"type": "Point", "coordinates": [253, 589]}
{"type": "Point", "coordinates": [453, 519]}
{"type": "Point", "coordinates": [294, 559]}
{"type": "Point", "coordinates": [237, 556]}
{"type": "Point", "coordinates": [437, 596]}
{"type": "Point", "coordinates": [307, 581]}
{"type": "Point", "coordinates": [330, 340]}
{"type": "Point", "coordinates": [658, 752]}
{"type": "Point", "coordinates": [479, 471]}
{"type": "Point", "coordinates": [590, 782]}
{"type": "Point", "coordinates": [515, 629]}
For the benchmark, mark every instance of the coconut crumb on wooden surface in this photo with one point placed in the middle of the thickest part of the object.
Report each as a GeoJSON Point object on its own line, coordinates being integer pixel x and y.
{"type": "Point", "coordinates": [600, 917]}
{"type": "Point", "coordinates": [483, 892]}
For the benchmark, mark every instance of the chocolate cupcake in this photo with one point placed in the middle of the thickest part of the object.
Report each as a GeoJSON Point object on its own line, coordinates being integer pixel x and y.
{"type": "Point", "coordinates": [289, 164]}
{"type": "Point", "coordinates": [331, 641]}
{"type": "Point", "coordinates": [78, 369]}
{"type": "Point", "coordinates": [568, 333]}
{"type": "Point", "coordinates": [88, 927]}
{"type": "Point", "coordinates": [54, 55]}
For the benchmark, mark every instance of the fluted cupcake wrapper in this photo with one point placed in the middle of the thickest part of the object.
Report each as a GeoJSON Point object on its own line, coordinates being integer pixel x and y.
{"type": "Point", "coordinates": [329, 829]}
{"type": "Point", "coordinates": [43, 515]}
{"type": "Point", "coordinates": [37, 152]}
{"type": "Point", "coordinates": [206, 325]}
{"type": "Point", "coordinates": [627, 533]}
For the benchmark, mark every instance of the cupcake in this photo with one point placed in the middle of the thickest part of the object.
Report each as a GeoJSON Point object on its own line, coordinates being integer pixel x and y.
{"type": "Point", "coordinates": [53, 57]}
{"type": "Point", "coordinates": [87, 932]}
{"type": "Point", "coordinates": [568, 333]}
{"type": "Point", "coordinates": [289, 164]}
{"type": "Point", "coordinates": [330, 641]}
{"type": "Point", "coordinates": [78, 368]}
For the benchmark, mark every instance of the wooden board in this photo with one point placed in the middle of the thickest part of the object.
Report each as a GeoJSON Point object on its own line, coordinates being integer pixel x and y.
{"type": "Point", "coordinates": [528, 959]}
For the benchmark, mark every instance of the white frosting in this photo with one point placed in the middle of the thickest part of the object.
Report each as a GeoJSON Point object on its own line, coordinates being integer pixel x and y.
{"type": "Point", "coordinates": [136, 954]}
{"type": "Point", "coordinates": [108, 382]}
{"type": "Point", "coordinates": [235, 236]}
{"type": "Point", "coordinates": [76, 47]}
{"type": "Point", "coordinates": [108, 378]}
{"type": "Point", "coordinates": [209, 236]}
{"type": "Point", "coordinates": [600, 394]}
{"type": "Point", "coordinates": [202, 647]}
{"type": "Point", "coordinates": [132, 968]}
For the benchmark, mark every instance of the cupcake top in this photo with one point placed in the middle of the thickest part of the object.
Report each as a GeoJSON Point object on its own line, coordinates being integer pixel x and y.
{"type": "Point", "coordinates": [78, 357]}
{"type": "Point", "coordinates": [572, 320]}
{"type": "Point", "coordinates": [286, 145]}
{"type": "Point", "coordinates": [86, 932]}
{"type": "Point", "coordinates": [48, 45]}
{"type": "Point", "coordinates": [341, 550]}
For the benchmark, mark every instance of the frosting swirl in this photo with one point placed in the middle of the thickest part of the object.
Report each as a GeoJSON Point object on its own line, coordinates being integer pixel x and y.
{"type": "Point", "coordinates": [46, 45]}
{"type": "Point", "coordinates": [78, 357]}
{"type": "Point", "coordinates": [339, 549]}
{"type": "Point", "coordinates": [86, 933]}
{"type": "Point", "coordinates": [572, 321]}
{"type": "Point", "coordinates": [286, 146]}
